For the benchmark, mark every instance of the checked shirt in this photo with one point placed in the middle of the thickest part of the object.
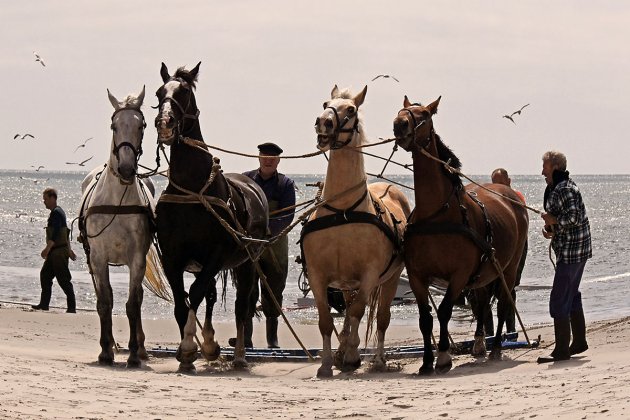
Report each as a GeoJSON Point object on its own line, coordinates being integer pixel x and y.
{"type": "Point", "coordinates": [572, 239]}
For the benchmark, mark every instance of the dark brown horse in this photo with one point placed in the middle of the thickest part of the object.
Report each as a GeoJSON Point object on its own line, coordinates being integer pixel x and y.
{"type": "Point", "coordinates": [454, 231]}
{"type": "Point", "coordinates": [190, 236]}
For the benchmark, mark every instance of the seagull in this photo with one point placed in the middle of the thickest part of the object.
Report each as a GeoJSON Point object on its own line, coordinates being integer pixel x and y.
{"type": "Point", "coordinates": [18, 215]}
{"type": "Point", "coordinates": [38, 58]}
{"type": "Point", "coordinates": [509, 117]}
{"type": "Point", "coordinates": [82, 145]}
{"type": "Point", "coordinates": [23, 136]}
{"type": "Point", "coordinates": [385, 76]}
{"type": "Point", "coordinates": [38, 168]}
{"type": "Point", "coordinates": [79, 163]}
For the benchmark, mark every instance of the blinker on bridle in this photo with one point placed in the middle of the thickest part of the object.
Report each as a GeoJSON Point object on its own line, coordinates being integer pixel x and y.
{"type": "Point", "coordinates": [185, 115]}
{"type": "Point", "coordinates": [335, 143]}
{"type": "Point", "coordinates": [417, 125]}
{"type": "Point", "coordinates": [137, 152]}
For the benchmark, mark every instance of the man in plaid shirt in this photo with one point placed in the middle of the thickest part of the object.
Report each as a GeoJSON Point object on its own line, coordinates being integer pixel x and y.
{"type": "Point", "coordinates": [566, 224]}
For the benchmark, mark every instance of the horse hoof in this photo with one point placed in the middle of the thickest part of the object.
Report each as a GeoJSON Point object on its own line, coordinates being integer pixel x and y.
{"type": "Point", "coordinates": [378, 365]}
{"type": "Point", "coordinates": [426, 370]}
{"type": "Point", "coordinates": [142, 354]}
{"type": "Point", "coordinates": [338, 359]}
{"type": "Point", "coordinates": [133, 363]}
{"type": "Point", "coordinates": [495, 355]}
{"type": "Point", "coordinates": [324, 372]}
{"type": "Point", "coordinates": [105, 360]}
{"type": "Point", "coordinates": [479, 348]}
{"type": "Point", "coordinates": [187, 368]}
{"type": "Point", "coordinates": [443, 368]}
{"type": "Point", "coordinates": [211, 354]}
{"type": "Point", "coordinates": [351, 366]}
{"type": "Point", "coordinates": [186, 356]}
{"type": "Point", "coordinates": [240, 364]}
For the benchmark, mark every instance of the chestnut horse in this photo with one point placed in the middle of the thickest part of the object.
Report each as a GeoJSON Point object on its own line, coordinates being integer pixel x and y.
{"type": "Point", "coordinates": [353, 242]}
{"type": "Point", "coordinates": [454, 232]}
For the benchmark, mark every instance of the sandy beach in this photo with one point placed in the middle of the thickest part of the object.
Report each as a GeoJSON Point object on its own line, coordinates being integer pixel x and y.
{"type": "Point", "coordinates": [49, 370]}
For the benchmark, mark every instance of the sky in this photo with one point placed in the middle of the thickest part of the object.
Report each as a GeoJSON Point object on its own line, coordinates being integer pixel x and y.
{"type": "Point", "coordinates": [267, 67]}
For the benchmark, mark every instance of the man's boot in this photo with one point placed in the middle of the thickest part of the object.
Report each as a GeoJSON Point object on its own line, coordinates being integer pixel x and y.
{"type": "Point", "coordinates": [71, 301]}
{"type": "Point", "coordinates": [272, 333]}
{"type": "Point", "coordinates": [578, 329]}
{"type": "Point", "coordinates": [248, 330]}
{"type": "Point", "coordinates": [562, 330]}
{"type": "Point", "coordinates": [44, 300]}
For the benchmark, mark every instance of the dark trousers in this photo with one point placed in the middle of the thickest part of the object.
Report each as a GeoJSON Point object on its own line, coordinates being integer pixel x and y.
{"type": "Point", "coordinates": [56, 265]}
{"type": "Point", "coordinates": [565, 294]}
{"type": "Point", "coordinates": [274, 262]}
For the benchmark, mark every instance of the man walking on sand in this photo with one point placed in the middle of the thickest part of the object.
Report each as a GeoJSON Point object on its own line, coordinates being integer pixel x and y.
{"type": "Point", "coordinates": [567, 225]}
{"type": "Point", "coordinates": [56, 254]}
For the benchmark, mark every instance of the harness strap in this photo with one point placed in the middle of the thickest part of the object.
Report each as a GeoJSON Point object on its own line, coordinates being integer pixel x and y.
{"type": "Point", "coordinates": [109, 209]}
{"type": "Point", "coordinates": [349, 209]}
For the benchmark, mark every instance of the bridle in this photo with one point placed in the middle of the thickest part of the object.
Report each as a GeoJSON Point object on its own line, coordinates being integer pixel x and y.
{"type": "Point", "coordinates": [183, 110]}
{"type": "Point", "coordinates": [335, 143]}
{"type": "Point", "coordinates": [416, 125]}
{"type": "Point", "coordinates": [137, 152]}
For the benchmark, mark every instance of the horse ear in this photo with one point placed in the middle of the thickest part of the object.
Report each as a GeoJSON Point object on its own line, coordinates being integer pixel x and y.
{"type": "Point", "coordinates": [334, 92]}
{"type": "Point", "coordinates": [140, 97]}
{"type": "Point", "coordinates": [164, 73]}
{"type": "Point", "coordinates": [113, 100]}
{"type": "Point", "coordinates": [194, 72]}
{"type": "Point", "coordinates": [406, 103]}
{"type": "Point", "coordinates": [433, 106]}
{"type": "Point", "coordinates": [358, 100]}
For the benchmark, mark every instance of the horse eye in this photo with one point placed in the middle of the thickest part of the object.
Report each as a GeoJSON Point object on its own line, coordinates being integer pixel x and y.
{"type": "Point", "coordinates": [351, 110]}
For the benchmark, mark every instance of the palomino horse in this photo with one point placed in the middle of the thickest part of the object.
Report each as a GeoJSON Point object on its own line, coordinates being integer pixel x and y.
{"type": "Point", "coordinates": [115, 220]}
{"type": "Point", "coordinates": [353, 242]}
{"type": "Point", "coordinates": [454, 232]}
{"type": "Point", "coordinates": [189, 214]}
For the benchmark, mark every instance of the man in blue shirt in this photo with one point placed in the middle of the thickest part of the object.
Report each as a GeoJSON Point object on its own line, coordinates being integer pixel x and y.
{"type": "Point", "coordinates": [568, 227]}
{"type": "Point", "coordinates": [274, 262]}
{"type": "Point", "coordinates": [56, 254]}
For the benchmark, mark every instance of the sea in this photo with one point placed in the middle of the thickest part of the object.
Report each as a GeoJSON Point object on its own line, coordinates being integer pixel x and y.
{"type": "Point", "coordinates": [605, 285]}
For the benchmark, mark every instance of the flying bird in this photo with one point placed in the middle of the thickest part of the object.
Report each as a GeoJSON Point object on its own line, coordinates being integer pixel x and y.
{"type": "Point", "coordinates": [385, 76]}
{"type": "Point", "coordinates": [509, 117]}
{"type": "Point", "coordinates": [35, 180]}
{"type": "Point", "coordinates": [23, 136]}
{"type": "Point", "coordinates": [79, 163]}
{"type": "Point", "coordinates": [83, 144]}
{"type": "Point", "coordinates": [38, 168]}
{"type": "Point", "coordinates": [38, 58]}
{"type": "Point", "coordinates": [18, 215]}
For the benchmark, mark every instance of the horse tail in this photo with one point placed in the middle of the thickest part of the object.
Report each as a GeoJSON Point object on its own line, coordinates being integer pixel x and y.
{"type": "Point", "coordinates": [373, 302]}
{"type": "Point", "coordinates": [154, 276]}
{"type": "Point", "coordinates": [223, 275]}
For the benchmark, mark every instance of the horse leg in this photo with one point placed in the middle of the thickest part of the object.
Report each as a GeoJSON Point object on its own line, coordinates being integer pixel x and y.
{"type": "Point", "coordinates": [352, 358]}
{"type": "Point", "coordinates": [479, 305]}
{"type": "Point", "coordinates": [244, 308]}
{"type": "Point", "coordinates": [210, 349]}
{"type": "Point", "coordinates": [134, 314]}
{"type": "Point", "coordinates": [426, 329]}
{"type": "Point", "coordinates": [187, 350]}
{"type": "Point", "coordinates": [104, 303]}
{"type": "Point", "coordinates": [318, 287]}
{"type": "Point", "coordinates": [348, 297]}
{"type": "Point", "coordinates": [503, 307]}
{"type": "Point", "coordinates": [444, 362]}
{"type": "Point", "coordinates": [383, 316]}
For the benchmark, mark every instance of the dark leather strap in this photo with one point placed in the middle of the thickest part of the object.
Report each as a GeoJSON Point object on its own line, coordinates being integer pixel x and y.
{"type": "Point", "coordinates": [117, 210]}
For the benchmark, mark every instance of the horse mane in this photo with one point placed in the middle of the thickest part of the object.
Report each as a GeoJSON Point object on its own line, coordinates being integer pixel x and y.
{"type": "Point", "coordinates": [445, 153]}
{"type": "Point", "coordinates": [346, 93]}
{"type": "Point", "coordinates": [185, 75]}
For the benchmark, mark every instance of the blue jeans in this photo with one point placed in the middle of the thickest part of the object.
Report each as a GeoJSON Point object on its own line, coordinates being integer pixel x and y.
{"type": "Point", "coordinates": [565, 294]}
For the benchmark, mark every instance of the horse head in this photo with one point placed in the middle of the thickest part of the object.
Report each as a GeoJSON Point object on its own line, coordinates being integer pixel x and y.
{"type": "Point", "coordinates": [127, 131]}
{"type": "Point", "coordinates": [413, 124]}
{"type": "Point", "coordinates": [177, 109]}
{"type": "Point", "coordinates": [336, 126]}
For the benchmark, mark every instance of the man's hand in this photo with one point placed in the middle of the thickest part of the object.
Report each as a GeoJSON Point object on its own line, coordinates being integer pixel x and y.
{"type": "Point", "coordinates": [73, 256]}
{"type": "Point", "coordinates": [549, 219]}
{"type": "Point", "coordinates": [45, 252]}
{"type": "Point", "coordinates": [546, 233]}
